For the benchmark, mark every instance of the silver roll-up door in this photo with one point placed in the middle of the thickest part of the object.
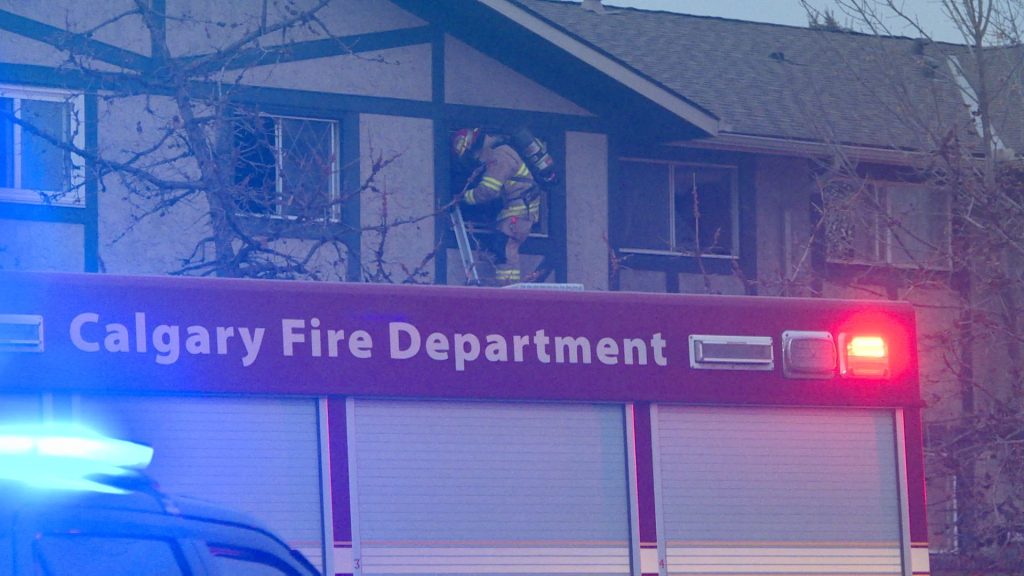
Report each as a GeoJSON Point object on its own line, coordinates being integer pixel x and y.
{"type": "Point", "coordinates": [778, 491]}
{"type": "Point", "coordinates": [260, 456]}
{"type": "Point", "coordinates": [488, 488]}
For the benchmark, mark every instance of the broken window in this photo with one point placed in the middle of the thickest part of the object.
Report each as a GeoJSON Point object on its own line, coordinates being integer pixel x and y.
{"type": "Point", "coordinates": [287, 167]}
{"type": "Point", "coordinates": [677, 207]}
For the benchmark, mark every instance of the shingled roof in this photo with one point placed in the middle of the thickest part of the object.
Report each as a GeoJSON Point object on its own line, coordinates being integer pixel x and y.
{"type": "Point", "coordinates": [783, 82]}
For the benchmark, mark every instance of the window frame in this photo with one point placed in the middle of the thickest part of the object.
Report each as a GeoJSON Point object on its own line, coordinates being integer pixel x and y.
{"type": "Point", "coordinates": [171, 547]}
{"type": "Point", "coordinates": [735, 252]}
{"type": "Point", "coordinates": [334, 184]}
{"type": "Point", "coordinates": [883, 237]}
{"type": "Point", "coordinates": [75, 132]}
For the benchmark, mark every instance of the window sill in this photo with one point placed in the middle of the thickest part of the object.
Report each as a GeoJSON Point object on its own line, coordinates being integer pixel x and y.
{"type": "Point", "coordinates": [286, 227]}
{"type": "Point", "coordinates": [41, 198]}
{"type": "Point", "coordinates": [678, 262]}
{"type": "Point", "coordinates": [673, 254]}
{"type": "Point", "coordinates": [865, 265]}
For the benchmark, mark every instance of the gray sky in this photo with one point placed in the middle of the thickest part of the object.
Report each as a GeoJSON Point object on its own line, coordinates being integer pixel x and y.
{"type": "Point", "coordinates": [928, 12]}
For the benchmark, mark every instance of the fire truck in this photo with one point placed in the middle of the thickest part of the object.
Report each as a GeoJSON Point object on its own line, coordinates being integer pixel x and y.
{"type": "Point", "coordinates": [455, 430]}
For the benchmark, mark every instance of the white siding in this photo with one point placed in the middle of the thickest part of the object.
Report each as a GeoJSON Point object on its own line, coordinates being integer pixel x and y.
{"type": "Point", "coordinates": [780, 491]}
{"type": "Point", "coordinates": [486, 488]}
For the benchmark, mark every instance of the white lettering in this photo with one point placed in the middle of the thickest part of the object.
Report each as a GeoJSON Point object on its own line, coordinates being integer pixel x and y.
{"type": "Point", "coordinates": [290, 334]}
{"type": "Point", "coordinates": [496, 349]}
{"type": "Point", "coordinates": [637, 347]}
{"type": "Point", "coordinates": [541, 342]}
{"type": "Point", "coordinates": [314, 337]}
{"type": "Point", "coordinates": [252, 341]}
{"type": "Point", "coordinates": [224, 333]}
{"type": "Point", "coordinates": [198, 340]}
{"type": "Point", "coordinates": [117, 338]}
{"type": "Point", "coordinates": [166, 339]}
{"type": "Point", "coordinates": [140, 332]}
{"type": "Point", "coordinates": [165, 343]}
{"type": "Point", "coordinates": [608, 351]}
{"type": "Point", "coordinates": [658, 343]}
{"type": "Point", "coordinates": [395, 330]}
{"type": "Point", "coordinates": [437, 346]}
{"type": "Point", "coordinates": [520, 343]}
{"type": "Point", "coordinates": [333, 338]}
{"type": "Point", "coordinates": [574, 347]}
{"type": "Point", "coordinates": [467, 347]}
{"type": "Point", "coordinates": [76, 331]}
{"type": "Point", "coordinates": [360, 344]}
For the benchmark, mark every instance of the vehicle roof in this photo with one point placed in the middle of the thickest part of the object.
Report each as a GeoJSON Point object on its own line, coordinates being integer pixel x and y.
{"type": "Point", "coordinates": [16, 498]}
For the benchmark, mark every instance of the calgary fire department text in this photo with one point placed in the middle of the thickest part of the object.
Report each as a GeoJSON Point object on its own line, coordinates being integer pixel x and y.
{"type": "Point", "coordinates": [89, 332]}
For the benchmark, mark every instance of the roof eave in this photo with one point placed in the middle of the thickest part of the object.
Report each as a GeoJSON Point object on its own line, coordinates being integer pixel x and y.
{"type": "Point", "coordinates": [736, 142]}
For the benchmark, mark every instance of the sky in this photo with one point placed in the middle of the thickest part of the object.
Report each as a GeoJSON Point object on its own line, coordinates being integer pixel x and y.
{"type": "Point", "coordinates": [928, 12]}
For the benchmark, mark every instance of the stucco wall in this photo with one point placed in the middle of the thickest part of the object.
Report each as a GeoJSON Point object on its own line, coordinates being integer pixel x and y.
{"type": "Point", "coordinates": [784, 187]}
{"type": "Point", "coordinates": [107, 22]}
{"type": "Point", "coordinates": [586, 189]}
{"type": "Point", "coordinates": [475, 79]}
{"type": "Point", "coordinates": [133, 239]}
{"type": "Point", "coordinates": [938, 314]}
{"type": "Point", "coordinates": [397, 73]}
{"type": "Point", "coordinates": [200, 26]}
{"type": "Point", "coordinates": [41, 246]}
{"type": "Point", "coordinates": [711, 284]}
{"type": "Point", "coordinates": [16, 49]}
{"type": "Point", "coordinates": [400, 197]}
{"type": "Point", "coordinates": [631, 280]}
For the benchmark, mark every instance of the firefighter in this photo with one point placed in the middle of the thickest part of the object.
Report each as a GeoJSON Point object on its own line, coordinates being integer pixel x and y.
{"type": "Point", "coordinates": [506, 178]}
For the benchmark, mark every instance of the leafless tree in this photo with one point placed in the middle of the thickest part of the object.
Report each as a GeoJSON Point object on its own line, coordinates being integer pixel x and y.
{"type": "Point", "coordinates": [265, 188]}
{"type": "Point", "coordinates": [973, 305]}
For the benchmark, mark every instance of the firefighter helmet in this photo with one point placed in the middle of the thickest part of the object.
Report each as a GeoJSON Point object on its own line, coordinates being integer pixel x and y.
{"type": "Point", "coordinates": [464, 141]}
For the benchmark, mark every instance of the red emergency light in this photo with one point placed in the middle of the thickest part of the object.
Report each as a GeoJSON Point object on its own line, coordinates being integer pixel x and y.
{"type": "Point", "coordinates": [863, 356]}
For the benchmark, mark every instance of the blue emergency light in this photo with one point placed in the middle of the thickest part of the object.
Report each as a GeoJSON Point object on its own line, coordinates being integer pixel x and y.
{"type": "Point", "coordinates": [67, 457]}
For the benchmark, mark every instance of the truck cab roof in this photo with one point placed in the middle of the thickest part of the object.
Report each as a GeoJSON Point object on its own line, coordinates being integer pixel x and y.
{"type": "Point", "coordinates": [119, 522]}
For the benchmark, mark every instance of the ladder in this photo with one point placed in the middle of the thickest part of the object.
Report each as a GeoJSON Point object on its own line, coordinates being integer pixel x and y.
{"type": "Point", "coordinates": [465, 249]}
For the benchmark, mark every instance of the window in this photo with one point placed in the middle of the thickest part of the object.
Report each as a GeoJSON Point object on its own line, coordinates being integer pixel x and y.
{"type": "Point", "coordinates": [676, 207]}
{"type": "Point", "coordinates": [34, 166]}
{"type": "Point", "coordinates": [287, 167]}
{"type": "Point", "coordinates": [886, 223]}
{"type": "Point", "coordinates": [249, 562]}
{"type": "Point", "coordinates": [81, 555]}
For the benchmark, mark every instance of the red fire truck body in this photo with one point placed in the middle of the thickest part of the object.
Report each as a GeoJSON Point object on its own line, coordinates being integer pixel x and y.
{"type": "Point", "coordinates": [500, 431]}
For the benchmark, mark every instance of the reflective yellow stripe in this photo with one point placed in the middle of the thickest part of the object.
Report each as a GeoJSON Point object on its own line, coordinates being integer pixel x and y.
{"type": "Point", "coordinates": [506, 275]}
{"type": "Point", "coordinates": [517, 208]}
{"type": "Point", "coordinates": [523, 170]}
{"type": "Point", "coordinates": [469, 198]}
{"type": "Point", "coordinates": [510, 212]}
{"type": "Point", "coordinates": [492, 183]}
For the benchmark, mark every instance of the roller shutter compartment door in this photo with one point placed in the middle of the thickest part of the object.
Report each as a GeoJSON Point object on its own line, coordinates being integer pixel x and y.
{"type": "Point", "coordinates": [488, 488]}
{"type": "Point", "coordinates": [260, 456]}
{"type": "Point", "coordinates": [778, 491]}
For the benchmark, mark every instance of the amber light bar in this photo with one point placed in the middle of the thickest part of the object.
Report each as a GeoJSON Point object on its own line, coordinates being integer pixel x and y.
{"type": "Point", "coordinates": [863, 356]}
